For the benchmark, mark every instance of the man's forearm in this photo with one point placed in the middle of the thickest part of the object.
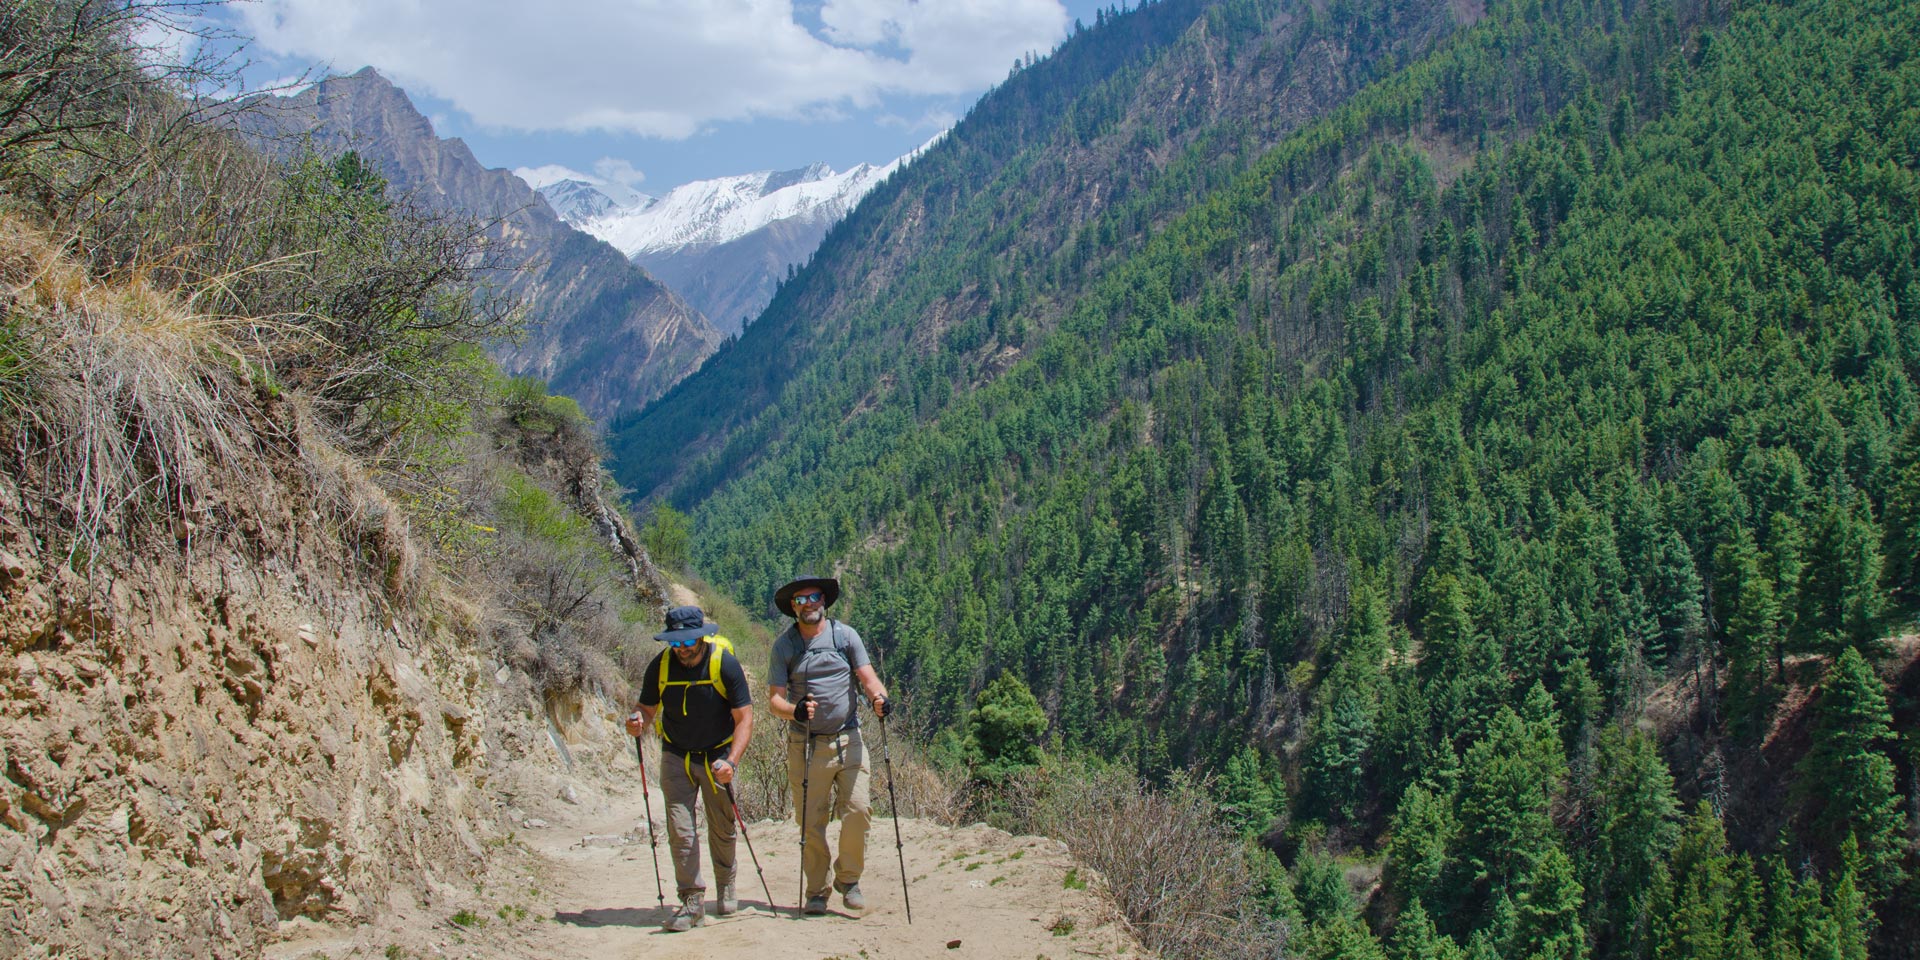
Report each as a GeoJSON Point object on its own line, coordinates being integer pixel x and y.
{"type": "Point", "coordinates": [742, 733]}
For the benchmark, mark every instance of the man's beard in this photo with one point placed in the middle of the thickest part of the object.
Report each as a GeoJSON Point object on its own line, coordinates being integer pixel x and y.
{"type": "Point", "coordinates": [813, 615]}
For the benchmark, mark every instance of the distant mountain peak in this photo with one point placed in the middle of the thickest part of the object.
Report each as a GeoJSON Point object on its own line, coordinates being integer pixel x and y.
{"type": "Point", "coordinates": [600, 328]}
{"type": "Point", "coordinates": [723, 244]}
{"type": "Point", "coordinates": [724, 209]}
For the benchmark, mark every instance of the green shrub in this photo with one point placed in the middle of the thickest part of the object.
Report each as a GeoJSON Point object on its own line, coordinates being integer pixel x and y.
{"type": "Point", "coordinates": [668, 537]}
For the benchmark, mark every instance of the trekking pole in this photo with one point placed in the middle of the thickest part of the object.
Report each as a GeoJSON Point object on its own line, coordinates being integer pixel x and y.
{"type": "Point", "coordinates": [900, 847]}
{"type": "Point", "coordinates": [806, 759]}
{"type": "Point", "coordinates": [653, 838]}
{"type": "Point", "coordinates": [742, 821]}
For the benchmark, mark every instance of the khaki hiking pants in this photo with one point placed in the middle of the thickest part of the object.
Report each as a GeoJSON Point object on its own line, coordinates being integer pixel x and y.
{"type": "Point", "coordinates": [839, 776]}
{"type": "Point", "coordinates": [684, 781]}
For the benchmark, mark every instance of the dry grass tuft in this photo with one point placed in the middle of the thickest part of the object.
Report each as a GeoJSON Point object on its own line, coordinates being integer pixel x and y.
{"type": "Point", "coordinates": [131, 404]}
{"type": "Point", "coordinates": [919, 787]}
{"type": "Point", "coordinates": [1181, 877]}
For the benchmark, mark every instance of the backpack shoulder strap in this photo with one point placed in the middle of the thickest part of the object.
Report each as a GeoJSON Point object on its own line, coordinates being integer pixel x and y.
{"type": "Point", "coordinates": [839, 648]}
{"type": "Point", "coordinates": [721, 648]}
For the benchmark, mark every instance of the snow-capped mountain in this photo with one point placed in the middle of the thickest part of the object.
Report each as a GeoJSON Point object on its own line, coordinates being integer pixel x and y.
{"type": "Point", "coordinates": [721, 244]}
{"type": "Point", "coordinates": [577, 200]}
{"type": "Point", "coordinates": [599, 328]}
{"type": "Point", "coordinates": [713, 212]}
{"type": "Point", "coordinates": [578, 197]}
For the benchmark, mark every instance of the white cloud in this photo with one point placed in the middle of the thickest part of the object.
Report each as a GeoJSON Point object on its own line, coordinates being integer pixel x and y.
{"type": "Point", "coordinates": [662, 68]}
{"type": "Point", "coordinates": [163, 41]}
{"type": "Point", "coordinates": [932, 120]}
{"type": "Point", "coordinates": [616, 170]}
{"type": "Point", "coordinates": [540, 176]}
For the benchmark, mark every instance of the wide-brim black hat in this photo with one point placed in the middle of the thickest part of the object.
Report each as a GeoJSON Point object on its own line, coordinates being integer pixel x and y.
{"type": "Point", "coordinates": [685, 623]}
{"type": "Point", "coordinates": [783, 597]}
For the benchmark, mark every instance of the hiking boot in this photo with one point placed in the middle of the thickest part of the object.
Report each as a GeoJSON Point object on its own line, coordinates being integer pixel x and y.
{"type": "Point", "coordinates": [850, 893]}
{"type": "Point", "coordinates": [691, 914]}
{"type": "Point", "coordinates": [816, 906]}
{"type": "Point", "coordinates": [726, 904]}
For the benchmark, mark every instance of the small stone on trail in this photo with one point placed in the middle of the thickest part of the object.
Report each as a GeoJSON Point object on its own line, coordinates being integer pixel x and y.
{"type": "Point", "coordinates": [534, 823]}
{"type": "Point", "coordinates": [953, 944]}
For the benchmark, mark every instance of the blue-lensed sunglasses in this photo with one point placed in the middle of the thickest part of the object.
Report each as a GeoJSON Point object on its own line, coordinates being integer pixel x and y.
{"type": "Point", "coordinates": [679, 644]}
{"type": "Point", "coordinates": [809, 598]}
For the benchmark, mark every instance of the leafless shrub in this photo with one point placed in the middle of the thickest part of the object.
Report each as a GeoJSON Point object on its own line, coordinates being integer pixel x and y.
{"type": "Point", "coordinates": [762, 784]}
{"type": "Point", "coordinates": [922, 788]}
{"type": "Point", "coordinates": [919, 787]}
{"type": "Point", "coordinates": [96, 95]}
{"type": "Point", "coordinates": [1181, 877]}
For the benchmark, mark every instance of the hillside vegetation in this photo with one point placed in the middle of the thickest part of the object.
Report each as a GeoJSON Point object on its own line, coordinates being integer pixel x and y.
{"type": "Point", "coordinates": [1508, 482]}
{"type": "Point", "coordinates": [300, 598]}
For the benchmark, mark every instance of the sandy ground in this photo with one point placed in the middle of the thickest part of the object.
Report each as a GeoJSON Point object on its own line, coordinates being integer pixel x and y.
{"type": "Point", "coordinates": [578, 882]}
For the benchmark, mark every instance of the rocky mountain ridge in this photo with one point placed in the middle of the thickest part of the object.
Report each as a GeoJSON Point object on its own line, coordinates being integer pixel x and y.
{"type": "Point", "coordinates": [724, 243]}
{"type": "Point", "coordinates": [599, 328]}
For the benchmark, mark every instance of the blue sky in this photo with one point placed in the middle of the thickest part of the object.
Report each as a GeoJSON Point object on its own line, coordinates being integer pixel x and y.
{"type": "Point", "coordinates": [654, 93]}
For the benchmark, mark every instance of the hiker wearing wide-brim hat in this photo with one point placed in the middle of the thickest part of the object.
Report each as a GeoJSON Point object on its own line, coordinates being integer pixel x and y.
{"type": "Point", "coordinates": [811, 683]}
{"type": "Point", "coordinates": [783, 598]}
{"type": "Point", "coordinates": [698, 701]}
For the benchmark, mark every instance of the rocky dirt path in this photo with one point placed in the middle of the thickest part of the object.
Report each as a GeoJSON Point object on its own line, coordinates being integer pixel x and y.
{"type": "Point", "coordinates": [578, 882]}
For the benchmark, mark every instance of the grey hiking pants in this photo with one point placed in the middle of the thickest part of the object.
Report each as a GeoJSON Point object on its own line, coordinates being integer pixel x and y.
{"type": "Point", "coordinates": [685, 781]}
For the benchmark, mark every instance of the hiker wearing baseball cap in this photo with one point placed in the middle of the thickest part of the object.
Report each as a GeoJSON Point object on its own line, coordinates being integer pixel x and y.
{"type": "Point", "coordinates": [698, 701]}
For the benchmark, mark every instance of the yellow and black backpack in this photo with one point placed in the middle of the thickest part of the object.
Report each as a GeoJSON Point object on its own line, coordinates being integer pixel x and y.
{"type": "Point", "coordinates": [720, 645]}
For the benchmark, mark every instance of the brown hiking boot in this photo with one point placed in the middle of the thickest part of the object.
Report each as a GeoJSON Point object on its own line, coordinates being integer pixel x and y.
{"type": "Point", "coordinates": [691, 914]}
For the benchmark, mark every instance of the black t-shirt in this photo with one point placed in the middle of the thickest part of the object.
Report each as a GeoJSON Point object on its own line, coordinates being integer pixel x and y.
{"type": "Point", "coordinates": [695, 717]}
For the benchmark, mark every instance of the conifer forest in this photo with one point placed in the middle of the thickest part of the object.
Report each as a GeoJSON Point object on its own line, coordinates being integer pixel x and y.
{"type": "Point", "coordinates": [1477, 449]}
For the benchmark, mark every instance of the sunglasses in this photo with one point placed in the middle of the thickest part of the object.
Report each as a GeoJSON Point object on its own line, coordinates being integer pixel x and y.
{"type": "Point", "coordinates": [808, 598]}
{"type": "Point", "coordinates": [683, 644]}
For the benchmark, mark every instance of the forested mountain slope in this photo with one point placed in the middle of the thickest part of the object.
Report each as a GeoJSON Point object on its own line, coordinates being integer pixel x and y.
{"type": "Point", "coordinates": [994, 230]}
{"type": "Point", "coordinates": [1557, 388]}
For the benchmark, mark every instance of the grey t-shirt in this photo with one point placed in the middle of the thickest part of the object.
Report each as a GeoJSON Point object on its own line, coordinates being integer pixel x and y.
{"type": "Point", "coordinates": [820, 669]}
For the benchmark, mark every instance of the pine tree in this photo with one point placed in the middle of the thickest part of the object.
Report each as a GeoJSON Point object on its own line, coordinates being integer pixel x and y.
{"type": "Point", "coordinates": [1424, 829]}
{"type": "Point", "coordinates": [1677, 595]}
{"type": "Point", "coordinates": [1415, 938]}
{"type": "Point", "coordinates": [1793, 914]}
{"type": "Point", "coordinates": [1338, 736]}
{"type": "Point", "coordinates": [1839, 598]}
{"type": "Point", "coordinates": [1341, 938]}
{"type": "Point", "coordinates": [1250, 798]}
{"type": "Point", "coordinates": [1705, 904]}
{"type": "Point", "coordinates": [1548, 907]}
{"type": "Point", "coordinates": [1750, 630]}
{"type": "Point", "coordinates": [1508, 781]}
{"type": "Point", "coordinates": [1004, 729]}
{"type": "Point", "coordinates": [1847, 776]}
{"type": "Point", "coordinates": [1320, 887]}
{"type": "Point", "coordinates": [1635, 821]}
{"type": "Point", "coordinates": [1903, 517]}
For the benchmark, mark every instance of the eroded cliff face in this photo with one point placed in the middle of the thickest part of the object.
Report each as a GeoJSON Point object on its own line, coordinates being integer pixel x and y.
{"type": "Point", "coordinates": [278, 715]}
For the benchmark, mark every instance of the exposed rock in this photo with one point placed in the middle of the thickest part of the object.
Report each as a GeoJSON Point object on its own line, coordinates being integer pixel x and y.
{"type": "Point", "coordinates": [199, 746]}
{"type": "Point", "coordinates": [600, 329]}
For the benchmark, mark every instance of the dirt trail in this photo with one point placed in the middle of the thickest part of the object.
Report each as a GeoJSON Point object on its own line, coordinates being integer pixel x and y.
{"type": "Point", "coordinates": [575, 879]}
{"type": "Point", "coordinates": [578, 882]}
